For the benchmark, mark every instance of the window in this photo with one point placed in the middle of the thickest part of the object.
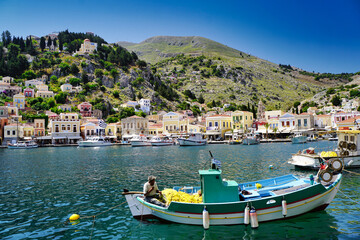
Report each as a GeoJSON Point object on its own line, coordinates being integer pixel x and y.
{"type": "Point", "coordinates": [14, 132]}
{"type": "Point", "coordinates": [8, 133]}
{"type": "Point", "coordinates": [346, 138]}
{"type": "Point", "coordinates": [223, 124]}
{"type": "Point", "coordinates": [305, 122]}
{"type": "Point", "coordinates": [352, 138]}
{"type": "Point", "coordinates": [56, 128]}
{"type": "Point", "coordinates": [216, 124]}
{"type": "Point", "coordinates": [68, 127]}
{"type": "Point", "coordinates": [210, 124]}
{"type": "Point", "coordinates": [299, 122]}
{"type": "Point", "coordinates": [63, 128]}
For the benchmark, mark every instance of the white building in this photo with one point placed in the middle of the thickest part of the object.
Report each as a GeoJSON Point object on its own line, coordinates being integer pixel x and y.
{"type": "Point", "coordinates": [7, 79]}
{"type": "Point", "coordinates": [145, 105]}
{"type": "Point", "coordinates": [67, 87]}
{"type": "Point", "coordinates": [34, 82]}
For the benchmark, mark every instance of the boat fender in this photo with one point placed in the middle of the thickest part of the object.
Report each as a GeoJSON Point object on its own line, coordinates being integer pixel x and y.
{"type": "Point", "coordinates": [206, 219]}
{"type": "Point", "coordinates": [253, 218]}
{"type": "Point", "coordinates": [247, 215]}
{"type": "Point", "coordinates": [350, 162]}
{"type": "Point", "coordinates": [284, 208]}
{"type": "Point", "coordinates": [311, 179]}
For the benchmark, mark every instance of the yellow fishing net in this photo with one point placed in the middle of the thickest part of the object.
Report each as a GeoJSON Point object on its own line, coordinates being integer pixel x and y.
{"type": "Point", "coordinates": [328, 154]}
{"type": "Point", "coordinates": [173, 195]}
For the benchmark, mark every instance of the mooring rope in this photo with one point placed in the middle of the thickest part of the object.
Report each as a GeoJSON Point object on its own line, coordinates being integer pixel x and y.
{"type": "Point", "coordinates": [94, 217]}
{"type": "Point", "coordinates": [347, 196]}
{"type": "Point", "coordinates": [351, 172]}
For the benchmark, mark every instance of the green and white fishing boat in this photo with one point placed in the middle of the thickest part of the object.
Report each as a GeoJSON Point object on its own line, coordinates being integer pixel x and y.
{"type": "Point", "coordinates": [225, 202]}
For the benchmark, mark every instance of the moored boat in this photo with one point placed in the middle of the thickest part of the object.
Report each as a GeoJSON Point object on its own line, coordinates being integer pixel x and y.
{"type": "Point", "coordinates": [161, 141]}
{"type": "Point", "coordinates": [140, 141]}
{"type": "Point", "coordinates": [195, 139]}
{"type": "Point", "coordinates": [226, 202]}
{"type": "Point", "coordinates": [298, 138]}
{"type": "Point", "coordinates": [97, 141]}
{"type": "Point", "coordinates": [23, 145]}
{"type": "Point", "coordinates": [250, 139]}
{"type": "Point", "coordinates": [348, 144]}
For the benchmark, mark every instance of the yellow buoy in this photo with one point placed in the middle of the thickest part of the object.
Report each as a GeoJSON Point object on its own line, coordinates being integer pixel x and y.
{"type": "Point", "coordinates": [74, 217]}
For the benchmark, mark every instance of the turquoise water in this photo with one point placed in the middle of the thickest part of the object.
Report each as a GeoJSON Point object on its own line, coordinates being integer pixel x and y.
{"type": "Point", "coordinates": [40, 188]}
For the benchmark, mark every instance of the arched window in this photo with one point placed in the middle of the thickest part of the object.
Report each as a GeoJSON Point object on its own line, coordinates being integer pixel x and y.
{"type": "Point", "coordinates": [56, 128]}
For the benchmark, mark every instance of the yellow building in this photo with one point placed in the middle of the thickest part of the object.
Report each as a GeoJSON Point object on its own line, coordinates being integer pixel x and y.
{"type": "Point", "coordinates": [65, 128]}
{"type": "Point", "coordinates": [28, 131]}
{"type": "Point", "coordinates": [217, 125]}
{"type": "Point", "coordinates": [45, 94]}
{"type": "Point", "coordinates": [242, 120]}
{"type": "Point", "coordinates": [19, 101]}
{"type": "Point", "coordinates": [39, 129]}
{"type": "Point", "coordinates": [197, 128]}
{"type": "Point", "coordinates": [87, 47]}
{"type": "Point", "coordinates": [155, 128]}
{"type": "Point", "coordinates": [175, 123]}
{"type": "Point", "coordinates": [111, 131]}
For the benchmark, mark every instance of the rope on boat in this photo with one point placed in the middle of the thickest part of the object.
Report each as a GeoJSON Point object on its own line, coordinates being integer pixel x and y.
{"type": "Point", "coordinates": [351, 172]}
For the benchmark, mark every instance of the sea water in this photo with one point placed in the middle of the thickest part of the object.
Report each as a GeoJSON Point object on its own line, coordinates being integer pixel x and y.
{"type": "Point", "coordinates": [40, 189]}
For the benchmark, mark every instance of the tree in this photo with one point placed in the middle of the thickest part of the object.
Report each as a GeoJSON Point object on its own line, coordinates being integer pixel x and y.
{"type": "Point", "coordinates": [201, 99]}
{"type": "Point", "coordinates": [61, 97]}
{"type": "Point", "coordinates": [99, 73]}
{"type": "Point", "coordinates": [54, 42]}
{"type": "Point", "coordinates": [114, 73]}
{"type": "Point", "coordinates": [64, 68]}
{"type": "Point", "coordinates": [75, 81]}
{"type": "Point", "coordinates": [60, 45]}
{"type": "Point", "coordinates": [84, 77]}
{"type": "Point", "coordinates": [42, 43]}
{"type": "Point", "coordinates": [141, 63]}
{"type": "Point", "coordinates": [49, 42]}
{"type": "Point", "coordinates": [275, 130]}
{"type": "Point", "coordinates": [126, 112]}
{"type": "Point", "coordinates": [336, 101]}
{"type": "Point", "coordinates": [74, 69]}
{"type": "Point", "coordinates": [296, 105]}
{"type": "Point", "coordinates": [53, 79]}
{"type": "Point", "coordinates": [29, 74]}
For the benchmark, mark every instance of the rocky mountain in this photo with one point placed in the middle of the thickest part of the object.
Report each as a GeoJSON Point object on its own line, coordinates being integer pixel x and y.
{"type": "Point", "coordinates": [221, 73]}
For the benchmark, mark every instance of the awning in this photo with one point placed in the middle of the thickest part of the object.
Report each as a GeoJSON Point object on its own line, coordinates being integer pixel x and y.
{"type": "Point", "coordinates": [212, 133]}
{"type": "Point", "coordinates": [43, 138]}
{"type": "Point", "coordinates": [58, 137]}
{"type": "Point", "coordinates": [110, 136]}
{"type": "Point", "coordinates": [76, 137]}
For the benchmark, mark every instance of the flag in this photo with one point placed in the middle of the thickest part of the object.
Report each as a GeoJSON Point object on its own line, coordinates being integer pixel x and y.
{"type": "Point", "coordinates": [102, 124]}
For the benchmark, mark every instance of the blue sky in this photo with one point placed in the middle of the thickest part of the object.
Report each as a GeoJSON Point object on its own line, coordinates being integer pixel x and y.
{"type": "Point", "coordinates": [317, 35]}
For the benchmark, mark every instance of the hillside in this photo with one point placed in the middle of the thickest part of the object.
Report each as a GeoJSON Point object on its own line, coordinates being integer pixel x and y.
{"type": "Point", "coordinates": [183, 72]}
{"type": "Point", "coordinates": [240, 78]}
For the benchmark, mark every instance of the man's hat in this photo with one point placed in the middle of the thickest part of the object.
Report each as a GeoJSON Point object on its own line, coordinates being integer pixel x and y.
{"type": "Point", "coordinates": [150, 178]}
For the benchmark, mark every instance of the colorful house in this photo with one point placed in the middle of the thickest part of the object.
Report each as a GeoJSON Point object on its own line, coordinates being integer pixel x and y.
{"type": "Point", "coordinates": [67, 87]}
{"type": "Point", "coordinates": [65, 128]}
{"type": "Point", "coordinates": [175, 123]}
{"type": "Point", "coordinates": [19, 101]}
{"type": "Point", "coordinates": [39, 127]}
{"type": "Point", "coordinates": [87, 47]}
{"type": "Point", "coordinates": [241, 120]}
{"type": "Point", "coordinates": [28, 132]}
{"type": "Point", "coordinates": [155, 128]}
{"type": "Point", "coordinates": [85, 109]}
{"type": "Point", "coordinates": [29, 92]}
{"type": "Point", "coordinates": [134, 125]}
{"type": "Point", "coordinates": [287, 123]}
{"type": "Point", "coordinates": [218, 125]}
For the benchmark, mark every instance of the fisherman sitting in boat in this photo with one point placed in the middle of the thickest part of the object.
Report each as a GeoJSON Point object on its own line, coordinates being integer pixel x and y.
{"type": "Point", "coordinates": [152, 193]}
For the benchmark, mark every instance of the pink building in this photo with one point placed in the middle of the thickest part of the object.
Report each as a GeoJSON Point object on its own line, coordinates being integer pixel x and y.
{"type": "Point", "coordinates": [29, 92]}
{"type": "Point", "coordinates": [85, 109]}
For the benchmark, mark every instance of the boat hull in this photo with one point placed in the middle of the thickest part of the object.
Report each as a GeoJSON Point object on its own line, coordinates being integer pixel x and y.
{"type": "Point", "coordinates": [312, 198]}
{"type": "Point", "coordinates": [250, 141]}
{"type": "Point", "coordinates": [94, 144]}
{"type": "Point", "coordinates": [312, 161]}
{"type": "Point", "coordinates": [22, 147]}
{"type": "Point", "coordinates": [159, 144]}
{"type": "Point", "coordinates": [299, 139]}
{"type": "Point", "coordinates": [187, 142]}
{"type": "Point", "coordinates": [140, 144]}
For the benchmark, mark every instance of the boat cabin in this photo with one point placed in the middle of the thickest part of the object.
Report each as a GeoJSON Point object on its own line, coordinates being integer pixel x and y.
{"type": "Point", "coordinates": [215, 190]}
{"type": "Point", "coordinates": [350, 136]}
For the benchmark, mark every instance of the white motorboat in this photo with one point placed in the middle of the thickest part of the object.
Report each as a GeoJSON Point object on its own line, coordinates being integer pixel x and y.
{"type": "Point", "coordinates": [140, 141]}
{"type": "Point", "coordinates": [250, 139]}
{"type": "Point", "coordinates": [161, 141]}
{"type": "Point", "coordinates": [195, 139]}
{"type": "Point", "coordinates": [94, 142]}
{"type": "Point", "coordinates": [23, 145]}
{"type": "Point", "coordinates": [348, 145]}
{"type": "Point", "coordinates": [298, 138]}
